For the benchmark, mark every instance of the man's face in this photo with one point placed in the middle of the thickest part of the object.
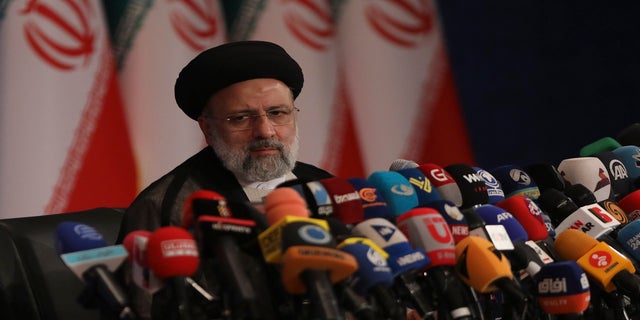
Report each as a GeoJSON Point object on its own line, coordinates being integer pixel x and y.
{"type": "Point", "coordinates": [240, 123]}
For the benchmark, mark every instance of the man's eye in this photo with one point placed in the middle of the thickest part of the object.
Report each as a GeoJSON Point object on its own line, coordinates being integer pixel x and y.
{"type": "Point", "coordinates": [277, 113]}
{"type": "Point", "coordinates": [238, 118]}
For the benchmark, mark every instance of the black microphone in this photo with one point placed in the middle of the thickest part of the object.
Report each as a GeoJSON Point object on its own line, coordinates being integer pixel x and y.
{"type": "Point", "coordinates": [223, 240]}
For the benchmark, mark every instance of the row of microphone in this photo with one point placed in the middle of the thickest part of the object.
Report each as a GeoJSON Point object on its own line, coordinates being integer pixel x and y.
{"type": "Point", "coordinates": [454, 242]}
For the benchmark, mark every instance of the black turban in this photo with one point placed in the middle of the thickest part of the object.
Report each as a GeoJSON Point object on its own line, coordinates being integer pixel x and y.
{"type": "Point", "coordinates": [221, 66]}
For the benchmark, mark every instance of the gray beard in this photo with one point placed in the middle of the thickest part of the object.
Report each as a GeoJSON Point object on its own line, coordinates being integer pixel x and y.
{"type": "Point", "coordinates": [261, 168]}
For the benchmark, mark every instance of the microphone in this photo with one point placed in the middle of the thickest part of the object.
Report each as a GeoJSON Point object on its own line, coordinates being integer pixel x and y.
{"type": "Point", "coordinates": [172, 255]}
{"type": "Point", "coordinates": [527, 257]}
{"type": "Point", "coordinates": [591, 219]}
{"type": "Point", "coordinates": [495, 274]}
{"type": "Point", "coordinates": [231, 243]}
{"type": "Point", "coordinates": [515, 181]}
{"type": "Point", "coordinates": [443, 182]}
{"type": "Point", "coordinates": [426, 229]}
{"type": "Point", "coordinates": [530, 216]}
{"type": "Point", "coordinates": [618, 173]}
{"type": "Point", "coordinates": [135, 243]}
{"type": "Point", "coordinates": [310, 261]}
{"type": "Point", "coordinates": [399, 164]}
{"type": "Point", "coordinates": [588, 171]}
{"type": "Point", "coordinates": [598, 146]}
{"type": "Point", "coordinates": [347, 205]}
{"type": "Point", "coordinates": [311, 264]}
{"type": "Point", "coordinates": [201, 202]}
{"type": "Point", "coordinates": [425, 191]}
{"type": "Point", "coordinates": [373, 276]}
{"type": "Point", "coordinates": [395, 189]}
{"type": "Point", "coordinates": [545, 175]}
{"type": "Point", "coordinates": [630, 204]}
{"type": "Point", "coordinates": [629, 237]}
{"type": "Point", "coordinates": [494, 188]}
{"type": "Point", "coordinates": [562, 289]}
{"type": "Point", "coordinates": [629, 135]}
{"type": "Point", "coordinates": [405, 262]}
{"type": "Point", "coordinates": [315, 195]}
{"type": "Point", "coordinates": [472, 186]}
{"type": "Point", "coordinates": [557, 205]}
{"type": "Point", "coordinates": [605, 265]}
{"type": "Point", "coordinates": [630, 156]}
{"type": "Point", "coordinates": [454, 218]}
{"type": "Point", "coordinates": [373, 204]}
{"type": "Point", "coordinates": [496, 233]}
{"type": "Point", "coordinates": [85, 252]}
{"type": "Point", "coordinates": [583, 196]}
{"type": "Point", "coordinates": [319, 200]}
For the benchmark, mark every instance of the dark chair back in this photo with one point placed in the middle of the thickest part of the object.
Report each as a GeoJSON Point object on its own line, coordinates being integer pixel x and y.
{"type": "Point", "coordinates": [34, 282]}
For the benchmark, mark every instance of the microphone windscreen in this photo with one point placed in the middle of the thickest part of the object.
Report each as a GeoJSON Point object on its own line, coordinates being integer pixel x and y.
{"type": "Point", "coordinates": [425, 191]}
{"type": "Point", "coordinates": [402, 256]}
{"type": "Point", "coordinates": [557, 205]}
{"type": "Point", "coordinates": [443, 181]}
{"type": "Point", "coordinates": [572, 244]}
{"type": "Point", "coordinates": [495, 215]}
{"type": "Point", "coordinates": [618, 173]}
{"type": "Point", "coordinates": [629, 237]}
{"type": "Point", "coordinates": [631, 205]}
{"type": "Point", "coordinates": [475, 251]}
{"type": "Point", "coordinates": [598, 146]}
{"type": "Point", "coordinates": [203, 202]}
{"type": "Point", "coordinates": [588, 171]}
{"type": "Point", "coordinates": [172, 252]}
{"type": "Point", "coordinates": [562, 288]}
{"type": "Point", "coordinates": [347, 205]}
{"type": "Point", "coordinates": [402, 164]}
{"type": "Point", "coordinates": [129, 241]}
{"type": "Point", "coordinates": [494, 189]}
{"type": "Point", "coordinates": [373, 202]}
{"type": "Point", "coordinates": [630, 135]}
{"type": "Point", "coordinates": [528, 214]}
{"type": "Point", "coordinates": [545, 175]}
{"type": "Point", "coordinates": [580, 195]}
{"type": "Point", "coordinates": [75, 236]}
{"type": "Point", "coordinates": [630, 157]}
{"type": "Point", "coordinates": [472, 186]}
{"type": "Point", "coordinates": [395, 189]}
{"type": "Point", "coordinates": [454, 218]}
{"type": "Point", "coordinates": [319, 198]}
{"type": "Point", "coordinates": [373, 269]}
{"type": "Point", "coordinates": [282, 202]}
{"type": "Point", "coordinates": [515, 180]}
{"type": "Point", "coordinates": [426, 229]}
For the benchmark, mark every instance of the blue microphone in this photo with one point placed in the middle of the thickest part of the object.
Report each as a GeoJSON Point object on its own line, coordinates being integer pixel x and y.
{"type": "Point", "coordinates": [396, 190]}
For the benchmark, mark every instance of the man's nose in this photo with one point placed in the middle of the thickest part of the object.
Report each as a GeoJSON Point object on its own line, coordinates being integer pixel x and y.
{"type": "Point", "coordinates": [262, 127]}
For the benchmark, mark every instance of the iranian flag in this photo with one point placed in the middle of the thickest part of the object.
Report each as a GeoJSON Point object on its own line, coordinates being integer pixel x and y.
{"type": "Point", "coordinates": [153, 41]}
{"type": "Point", "coordinates": [399, 79]}
{"type": "Point", "coordinates": [307, 30]}
{"type": "Point", "coordinates": [64, 144]}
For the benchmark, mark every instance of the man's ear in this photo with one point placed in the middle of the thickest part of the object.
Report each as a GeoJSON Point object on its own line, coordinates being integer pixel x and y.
{"type": "Point", "coordinates": [205, 127]}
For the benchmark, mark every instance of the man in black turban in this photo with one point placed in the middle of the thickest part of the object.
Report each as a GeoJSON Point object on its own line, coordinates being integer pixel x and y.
{"type": "Point", "coordinates": [242, 96]}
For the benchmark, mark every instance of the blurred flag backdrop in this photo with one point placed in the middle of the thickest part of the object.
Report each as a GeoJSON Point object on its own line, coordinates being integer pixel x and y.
{"type": "Point", "coordinates": [88, 122]}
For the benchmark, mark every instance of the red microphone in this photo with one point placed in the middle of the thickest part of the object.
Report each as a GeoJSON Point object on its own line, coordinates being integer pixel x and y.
{"type": "Point", "coordinates": [347, 205]}
{"type": "Point", "coordinates": [172, 254]}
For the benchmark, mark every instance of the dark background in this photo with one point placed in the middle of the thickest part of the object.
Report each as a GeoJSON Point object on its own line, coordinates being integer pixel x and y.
{"type": "Point", "coordinates": [538, 80]}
